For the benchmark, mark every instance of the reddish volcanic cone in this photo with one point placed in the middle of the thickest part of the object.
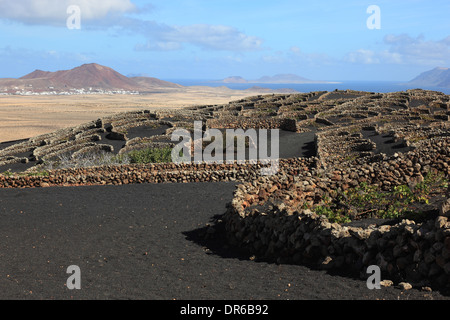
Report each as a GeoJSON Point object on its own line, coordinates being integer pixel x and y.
{"type": "Point", "coordinates": [88, 75]}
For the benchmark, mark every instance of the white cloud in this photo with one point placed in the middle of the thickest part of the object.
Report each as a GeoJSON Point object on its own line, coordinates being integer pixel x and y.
{"type": "Point", "coordinates": [362, 56]}
{"type": "Point", "coordinates": [418, 50]}
{"type": "Point", "coordinates": [54, 12]}
{"type": "Point", "coordinates": [403, 49]}
{"type": "Point", "coordinates": [206, 36]}
{"type": "Point", "coordinates": [113, 13]}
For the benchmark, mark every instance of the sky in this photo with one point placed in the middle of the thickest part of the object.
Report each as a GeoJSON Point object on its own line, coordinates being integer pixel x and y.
{"type": "Point", "coordinates": [353, 40]}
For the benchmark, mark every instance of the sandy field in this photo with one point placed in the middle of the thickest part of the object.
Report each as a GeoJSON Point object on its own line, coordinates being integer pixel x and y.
{"type": "Point", "coordinates": [23, 117]}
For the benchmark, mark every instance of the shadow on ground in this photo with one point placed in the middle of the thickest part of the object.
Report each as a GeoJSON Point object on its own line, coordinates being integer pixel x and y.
{"type": "Point", "coordinates": [213, 237]}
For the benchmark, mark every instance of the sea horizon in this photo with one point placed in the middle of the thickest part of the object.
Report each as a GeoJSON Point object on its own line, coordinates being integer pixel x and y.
{"type": "Point", "coordinates": [367, 86]}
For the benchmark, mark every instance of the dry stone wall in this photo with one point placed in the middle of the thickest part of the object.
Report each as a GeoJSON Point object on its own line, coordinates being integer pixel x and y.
{"type": "Point", "coordinates": [152, 173]}
{"type": "Point", "coordinates": [272, 216]}
{"type": "Point", "coordinates": [267, 217]}
{"type": "Point", "coordinates": [416, 253]}
{"type": "Point", "coordinates": [251, 123]}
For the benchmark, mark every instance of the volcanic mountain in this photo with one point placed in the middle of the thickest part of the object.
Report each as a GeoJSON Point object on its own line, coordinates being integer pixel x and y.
{"type": "Point", "coordinates": [235, 79]}
{"type": "Point", "coordinates": [438, 77]}
{"type": "Point", "coordinates": [88, 76]}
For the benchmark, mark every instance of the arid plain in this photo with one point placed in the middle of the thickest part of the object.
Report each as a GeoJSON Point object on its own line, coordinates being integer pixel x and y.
{"type": "Point", "coordinates": [23, 117]}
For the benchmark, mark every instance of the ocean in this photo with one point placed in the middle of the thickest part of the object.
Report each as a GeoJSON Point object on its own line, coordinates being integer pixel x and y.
{"type": "Point", "coordinates": [368, 86]}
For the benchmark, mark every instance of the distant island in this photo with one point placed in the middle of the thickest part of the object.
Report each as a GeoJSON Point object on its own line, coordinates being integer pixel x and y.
{"type": "Point", "coordinates": [276, 79]}
{"type": "Point", "coordinates": [93, 78]}
{"type": "Point", "coordinates": [234, 80]}
{"type": "Point", "coordinates": [438, 77]}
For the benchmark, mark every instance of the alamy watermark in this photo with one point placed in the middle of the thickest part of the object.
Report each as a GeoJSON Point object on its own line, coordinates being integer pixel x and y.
{"type": "Point", "coordinates": [374, 21]}
{"type": "Point", "coordinates": [374, 280]}
{"type": "Point", "coordinates": [74, 281]}
{"type": "Point", "coordinates": [74, 19]}
{"type": "Point", "coordinates": [230, 146]}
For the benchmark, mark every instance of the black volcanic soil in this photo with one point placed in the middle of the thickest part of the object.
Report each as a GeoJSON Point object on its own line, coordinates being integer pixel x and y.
{"type": "Point", "coordinates": [6, 144]}
{"type": "Point", "coordinates": [291, 144]}
{"type": "Point", "coordinates": [146, 131]}
{"type": "Point", "coordinates": [145, 242]}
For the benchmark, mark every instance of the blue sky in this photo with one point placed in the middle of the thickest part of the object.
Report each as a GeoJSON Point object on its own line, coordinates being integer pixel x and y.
{"type": "Point", "coordinates": [199, 39]}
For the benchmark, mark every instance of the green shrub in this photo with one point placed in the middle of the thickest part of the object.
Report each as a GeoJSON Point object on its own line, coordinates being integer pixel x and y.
{"type": "Point", "coordinates": [369, 201]}
{"type": "Point", "coordinates": [38, 173]}
{"type": "Point", "coordinates": [332, 215]}
{"type": "Point", "coordinates": [157, 155]}
{"type": "Point", "coordinates": [8, 173]}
